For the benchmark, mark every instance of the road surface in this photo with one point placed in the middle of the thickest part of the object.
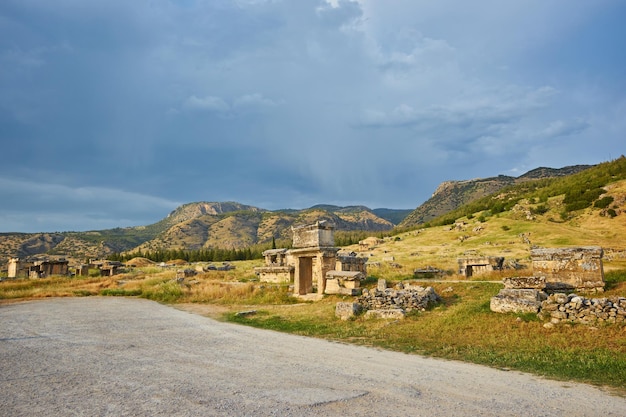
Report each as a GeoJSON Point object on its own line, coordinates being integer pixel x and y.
{"type": "Point", "coordinates": [113, 356]}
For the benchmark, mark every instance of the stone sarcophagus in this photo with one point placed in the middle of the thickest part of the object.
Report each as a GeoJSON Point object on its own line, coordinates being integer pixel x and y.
{"type": "Point", "coordinates": [570, 269]}
{"type": "Point", "coordinates": [320, 234]}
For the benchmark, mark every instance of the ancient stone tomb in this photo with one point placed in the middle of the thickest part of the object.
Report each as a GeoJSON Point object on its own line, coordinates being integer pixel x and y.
{"type": "Point", "coordinates": [314, 264]}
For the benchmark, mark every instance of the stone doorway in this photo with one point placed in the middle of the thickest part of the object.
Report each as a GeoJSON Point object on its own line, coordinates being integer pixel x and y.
{"type": "Point", "coordinates": [305, 275]}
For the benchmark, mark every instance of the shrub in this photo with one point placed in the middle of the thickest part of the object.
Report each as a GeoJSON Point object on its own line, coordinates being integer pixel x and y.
{"type": "Point", "coordinates": [603, 202]}
{"type": "Point", "coordinates": [540, 209]}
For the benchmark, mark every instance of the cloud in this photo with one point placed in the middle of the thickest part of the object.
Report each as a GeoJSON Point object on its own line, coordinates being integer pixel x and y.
{"type": "Point", "coordinates": [253, 101]}
{"type": "Point", "coordinates": [208, 103]}
{"type": "Point", "coordinates": [284, 103]}
{"type": "Point", "coordinates": [38, 206]}
{"type": "Point", "coordinates": [559, 128]}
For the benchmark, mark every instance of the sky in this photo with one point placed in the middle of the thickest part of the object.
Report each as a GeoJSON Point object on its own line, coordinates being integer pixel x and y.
{"type": "Point", "coordinates": [115, 112]}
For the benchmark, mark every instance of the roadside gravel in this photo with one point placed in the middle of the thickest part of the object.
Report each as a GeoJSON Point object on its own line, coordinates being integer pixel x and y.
{"type": "Point", "coordinates": [117, 356]}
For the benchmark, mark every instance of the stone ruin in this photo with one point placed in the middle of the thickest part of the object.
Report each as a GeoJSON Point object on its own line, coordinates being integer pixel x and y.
{"type": "Point", "coordinates": [314, 264]}
{"type": "Point", "coordinates": [277, 269]}
{"type": "Point", "coordinates": [557, 273]}
{"type": "Point", "coordinates": [520, 295]}
{"type": "Point", "coordinates": [469, 267]}
{"type": "Point", "coordinates": [389, 303]}
{"type": "Point", "coordinates": [37, 269]}
{"type": "Point", "coordinates": [570, 269]}
{"type": "Point", "coordinates": [572, 308]}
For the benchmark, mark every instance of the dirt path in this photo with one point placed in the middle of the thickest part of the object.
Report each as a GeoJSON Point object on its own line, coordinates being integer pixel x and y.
{"type": "Point", "coordinates": [117, 356]}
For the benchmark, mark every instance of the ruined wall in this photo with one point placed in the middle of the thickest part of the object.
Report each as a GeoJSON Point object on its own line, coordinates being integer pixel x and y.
{"type": "Point", "coordinates": [567, 269]}
{"type": "Point", "coordinates": [572, 308]}
{"type": "Point", "coordinates": [405, 297]}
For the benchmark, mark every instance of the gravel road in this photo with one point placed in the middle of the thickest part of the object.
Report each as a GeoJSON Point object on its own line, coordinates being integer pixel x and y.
{"type": "Point", "coordinates": [116, 356]}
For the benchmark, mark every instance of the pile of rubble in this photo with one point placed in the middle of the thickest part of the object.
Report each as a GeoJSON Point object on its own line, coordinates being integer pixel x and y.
{"type": "Point", "coordinates": [573, 308]}
{"type": "Point", "coordinates": [396, 302]}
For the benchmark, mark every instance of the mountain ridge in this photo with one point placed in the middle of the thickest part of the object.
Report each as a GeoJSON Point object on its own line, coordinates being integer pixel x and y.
{"type": "Point", "coordinates": [204, 224]}
{"type": "Point", "coordinates": [450, 195]}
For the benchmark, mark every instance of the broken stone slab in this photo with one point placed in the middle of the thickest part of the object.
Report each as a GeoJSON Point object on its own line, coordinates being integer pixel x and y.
{"type": "Point", "coordinates": [538, 283]}
{"type": "Point", "coordinates": [518, 300]}
{"type": "Point", "coordinates": [523, 294]}
{"type": "Point", "coordinates": [513, 305]}
{"type": "Point", "coordinates": [392, 313]}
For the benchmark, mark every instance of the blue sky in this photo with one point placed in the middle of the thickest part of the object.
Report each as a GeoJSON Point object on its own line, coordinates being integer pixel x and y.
{"type": "Point", "coordinates": [114, 112]}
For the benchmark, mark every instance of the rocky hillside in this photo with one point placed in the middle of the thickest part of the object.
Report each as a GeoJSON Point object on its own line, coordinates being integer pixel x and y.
{"type": "Point", "coordinates": [200, 225]}
{"type": "Point", "coordinates": [453, 194]}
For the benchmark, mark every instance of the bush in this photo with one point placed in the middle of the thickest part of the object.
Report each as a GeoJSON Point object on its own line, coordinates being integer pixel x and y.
{"type": "Point", "coordinates": [603, 202]}
{"type": "Point", "coordinates": [540, 209]}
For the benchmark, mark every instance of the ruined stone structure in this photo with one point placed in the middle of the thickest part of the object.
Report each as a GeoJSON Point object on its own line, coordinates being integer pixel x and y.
{"type": "Point", "coordinates": [314, 264]}
{"type": "Point", "coordinates": [348, 261]}
{"type": "Point", "coordinates": [520, 295]}
{"type": "Point", "coordinates": [370, 242]}
{"type": "Point", "coordinates": [570, 269]}
{"type": "Point", "coordinates": [46, 268]}
{"type": "Point", "coordinates": [475, 266]}
{"type": "Point", "coordinates": [344, 282]}
{"type": "Point", "coordinates": [384, 302]}
{"type": "Point", "coordinates": [278, 267]}
{"type": "Point", "coordinates": [314, 255]}
{"type": "Point", "coordinates": [527, 295]}
{"type": "Point", "coordinates": [37, 269]}
{"type": "Point", "coordinates": [13, 267]}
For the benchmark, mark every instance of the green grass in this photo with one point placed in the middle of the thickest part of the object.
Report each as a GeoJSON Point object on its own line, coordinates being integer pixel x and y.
{"type": "Point", "coordinates": [120, 292]}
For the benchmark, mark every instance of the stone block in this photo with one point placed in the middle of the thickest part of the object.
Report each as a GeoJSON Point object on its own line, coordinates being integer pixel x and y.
{"type": "Point", "coordinates": [513, 305]}
{"type": "Point", "coordinates": [538, 283]}
{"type": "Point", "coordinates": [346, 310]}
{"type": "Point", "coordinates": [392, 313]}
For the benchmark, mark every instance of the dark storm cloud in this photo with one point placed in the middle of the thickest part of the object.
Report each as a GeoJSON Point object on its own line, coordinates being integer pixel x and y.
{"type": "Point", "coordinates": [292, 103]}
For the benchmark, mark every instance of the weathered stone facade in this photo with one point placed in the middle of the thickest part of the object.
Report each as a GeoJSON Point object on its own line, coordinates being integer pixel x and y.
{"type": "Point", "coordinates": [570, 269]}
